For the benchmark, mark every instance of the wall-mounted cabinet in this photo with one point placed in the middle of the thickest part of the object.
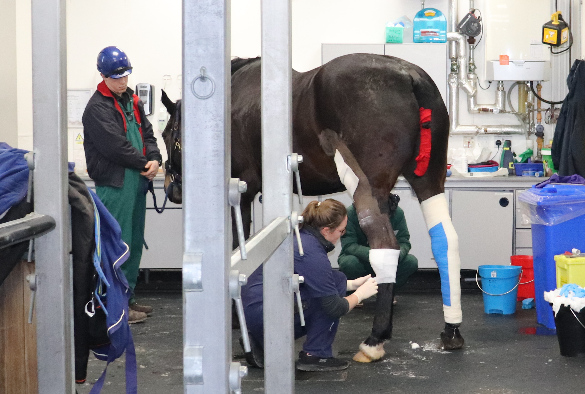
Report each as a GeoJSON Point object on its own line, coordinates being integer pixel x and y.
{"type": "Point", "coordinates": [430, 57]}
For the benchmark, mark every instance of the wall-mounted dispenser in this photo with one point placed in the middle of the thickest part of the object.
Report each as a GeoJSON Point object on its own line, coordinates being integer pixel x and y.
{"type": "Point", "coordinates": [144, 91]}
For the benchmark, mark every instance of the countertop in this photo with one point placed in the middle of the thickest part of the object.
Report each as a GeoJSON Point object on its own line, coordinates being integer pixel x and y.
{"type": "Point", "coordinates": [510, 182]}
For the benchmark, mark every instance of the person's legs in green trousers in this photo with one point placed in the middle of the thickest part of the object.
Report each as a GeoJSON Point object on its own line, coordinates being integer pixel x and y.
{"type": "Point", "coordinates": [128, 205]}
{"type": "Point", "coordinates": [353, 268]}
{"type": "Point", "coordinates": [406, 267]}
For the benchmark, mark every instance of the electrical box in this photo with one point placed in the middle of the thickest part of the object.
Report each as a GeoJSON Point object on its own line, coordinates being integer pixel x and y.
{"type": "Point", "coordinates": [144, 91]}
{"type": "Point", "coordinates": [517, 70]}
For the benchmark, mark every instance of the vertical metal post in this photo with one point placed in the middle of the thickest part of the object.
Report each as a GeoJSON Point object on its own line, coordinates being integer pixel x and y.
{"type": "Point", "coordinates": [277, 193]}
{"type": "Point", "coordinates": [54, 299]}
{"type": "Point", "coordinates": [206, 173]}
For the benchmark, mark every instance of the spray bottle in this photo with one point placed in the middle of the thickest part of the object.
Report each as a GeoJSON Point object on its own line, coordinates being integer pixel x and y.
{"type": "Point", "coordinates": [507, 159]}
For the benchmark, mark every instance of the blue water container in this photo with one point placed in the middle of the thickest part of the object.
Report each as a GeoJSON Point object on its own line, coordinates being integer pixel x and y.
{"type": "Point", "coordinates": [557, 213]}
{"type": "Point", "coordinates": [499, 284]}
{"type": "Point", "coordinates": [430, 25]}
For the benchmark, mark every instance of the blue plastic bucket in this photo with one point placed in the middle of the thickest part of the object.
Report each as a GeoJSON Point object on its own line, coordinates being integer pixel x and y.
{"type": "Point", "coordinates": [499, 284]}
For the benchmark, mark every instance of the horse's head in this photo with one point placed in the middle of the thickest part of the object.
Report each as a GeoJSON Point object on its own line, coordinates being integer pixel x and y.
{"type": "Point", "coordinates": [172, 138]}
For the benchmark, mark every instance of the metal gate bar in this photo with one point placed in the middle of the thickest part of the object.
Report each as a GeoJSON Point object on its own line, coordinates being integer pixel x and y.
{"type": "Point", "coordinates": [54, 300]}
{"type": "Point", "coordinates": [277, 193]}
{"type": "Point", "coordinates": [207, 330]}
{"type": "Point", "coordinates": [206, 164]}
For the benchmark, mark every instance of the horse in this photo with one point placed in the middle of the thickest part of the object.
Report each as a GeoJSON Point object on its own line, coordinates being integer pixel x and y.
{"type": "Point", "coordinates": [359, 121]}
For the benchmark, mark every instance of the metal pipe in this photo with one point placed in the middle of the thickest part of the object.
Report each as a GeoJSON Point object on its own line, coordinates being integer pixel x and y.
{"type": "Point", "coordinates": [499, 105]}
{"type": "Point", "coordinates": [459, 77]}
{"type": "Point", "coordinates": [452, 23]}
{"type": "Point", "coordinates": [461, 61]}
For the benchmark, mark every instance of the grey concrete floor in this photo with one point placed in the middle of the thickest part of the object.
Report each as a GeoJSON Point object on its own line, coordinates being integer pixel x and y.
{"type": "Point", "coordinates": [503, 354]}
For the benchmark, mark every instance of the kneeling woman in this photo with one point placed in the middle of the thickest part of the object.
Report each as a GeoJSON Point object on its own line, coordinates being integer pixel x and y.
{"type": "Point", "coordinates": [322, 293]}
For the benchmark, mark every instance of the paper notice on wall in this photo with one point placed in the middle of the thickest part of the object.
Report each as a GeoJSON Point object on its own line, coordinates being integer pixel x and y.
{"type": "Point", "coordinates": [76, 151]}
{"type": "Point", "coordinates": [76, 101]}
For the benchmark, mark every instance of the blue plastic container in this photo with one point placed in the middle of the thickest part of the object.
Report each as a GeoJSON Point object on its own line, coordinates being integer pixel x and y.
{"type": "Point", "coordinates": [557, 213]}
{"type": "Point", "coordinates": [522, 169]}
{"type": "Point", "coordinates": [429, 25]}
{"type": "Point", "coordinates": [499, 284]}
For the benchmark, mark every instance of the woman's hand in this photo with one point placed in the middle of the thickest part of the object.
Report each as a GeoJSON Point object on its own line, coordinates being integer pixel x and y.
{"type": "Point", "coordinates": [354, 284]}
{"type": "Point", "coordinates": [368, 289]}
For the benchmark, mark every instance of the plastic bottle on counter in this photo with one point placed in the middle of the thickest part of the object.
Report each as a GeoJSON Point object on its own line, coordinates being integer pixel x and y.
{"type": "Point", "coordinates": [507, 160]}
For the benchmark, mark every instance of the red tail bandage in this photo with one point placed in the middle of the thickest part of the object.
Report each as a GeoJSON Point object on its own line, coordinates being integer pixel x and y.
{"type": "Point", "coordinates": [424, 152]}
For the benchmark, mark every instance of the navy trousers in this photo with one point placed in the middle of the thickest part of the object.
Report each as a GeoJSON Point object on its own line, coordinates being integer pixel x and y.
{"type": "Point", "coordinates": [319, 328]}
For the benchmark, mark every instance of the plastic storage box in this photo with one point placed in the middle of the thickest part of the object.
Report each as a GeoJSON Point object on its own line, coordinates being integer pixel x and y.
{"type": "Point", "coordinates": [490, 166]}
{"type": "Point", "coordinates": [527, 169]}
{"type": "Point", "coordinates": [557, 214]}
{"type": "Point", "coordinates": [570, 269]}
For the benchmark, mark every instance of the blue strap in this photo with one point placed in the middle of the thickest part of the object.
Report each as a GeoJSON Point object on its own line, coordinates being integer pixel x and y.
{"type": "Point", "coordinates": [131, 370]}
{"type": "Point", "coordinates": [97, 253]}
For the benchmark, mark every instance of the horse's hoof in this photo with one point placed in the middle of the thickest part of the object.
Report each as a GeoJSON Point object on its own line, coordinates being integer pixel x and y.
{"type": "Point", "coordinates": [367, 354]}
{"type": "Point", "coordinates": [360, 357]}
{"type": "Point", "coordinates": [451, 338]}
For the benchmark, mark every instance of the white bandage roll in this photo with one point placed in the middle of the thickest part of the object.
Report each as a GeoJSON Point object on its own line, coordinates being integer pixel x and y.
{"type": "Point", "coordinates": [346, 174]}
{"type": "Point", "coordinates": [384, 262]}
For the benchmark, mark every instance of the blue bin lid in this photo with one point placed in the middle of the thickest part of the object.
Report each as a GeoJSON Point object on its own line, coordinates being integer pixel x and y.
{"type": "Point", "coordinates": [554, 203]}
{"type": "Point", "coordinates": [554, 193]}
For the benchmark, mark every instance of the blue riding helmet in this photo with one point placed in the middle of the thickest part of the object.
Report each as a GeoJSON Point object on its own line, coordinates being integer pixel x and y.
{"type": "Point", "coordinates": [113, 63]}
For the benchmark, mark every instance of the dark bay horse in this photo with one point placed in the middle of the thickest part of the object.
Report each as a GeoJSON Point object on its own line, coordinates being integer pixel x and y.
{"type": "Point", "coordinates": [359, 121]}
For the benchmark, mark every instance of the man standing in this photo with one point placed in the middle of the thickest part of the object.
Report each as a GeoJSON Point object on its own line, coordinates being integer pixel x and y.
{"type": "Point", "coordinates": [354, 260]}
{"type": "Point", "coordinates": [122, 157]}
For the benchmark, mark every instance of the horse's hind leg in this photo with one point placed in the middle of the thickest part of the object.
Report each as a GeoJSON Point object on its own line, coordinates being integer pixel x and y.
{"type": "Point", "coordinates": [376, 225]}
{"type": "Point", "coordinates": [429, 188]}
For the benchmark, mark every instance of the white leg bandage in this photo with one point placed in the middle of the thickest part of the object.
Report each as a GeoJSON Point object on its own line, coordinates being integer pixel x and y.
{"type": "Point", "coordinates": [445, 246]}
{"type": "Point", "coordinates": [346, 174]}
{"type": "Point", "coordinates": [384, 262]}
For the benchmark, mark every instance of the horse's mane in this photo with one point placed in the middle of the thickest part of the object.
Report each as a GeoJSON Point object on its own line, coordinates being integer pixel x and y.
{"type": "Point", "coordinates": [240, 62]}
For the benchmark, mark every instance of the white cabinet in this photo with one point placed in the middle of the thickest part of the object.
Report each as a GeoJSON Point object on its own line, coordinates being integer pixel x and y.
{"type": "Point", "coordinates": [164, 236]}
{"type": "Point", "coordinates": [163, 233]}
{"type": "Point", "coordinates": [431, 57]}
{"type": "Point", "coordinates": [484, 221]}
{"type": "Point", "coordinates": [331, 51]}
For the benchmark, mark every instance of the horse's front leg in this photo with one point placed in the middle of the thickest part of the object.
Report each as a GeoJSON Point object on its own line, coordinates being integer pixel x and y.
{"type": "Point", "coordinates": [384, 260]}
{"type": "Point", "coordinates": [385, 249]}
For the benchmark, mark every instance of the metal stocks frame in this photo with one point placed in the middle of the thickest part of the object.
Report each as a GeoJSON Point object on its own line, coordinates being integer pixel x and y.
{"type": "Point", "coordinates": [208, 264]}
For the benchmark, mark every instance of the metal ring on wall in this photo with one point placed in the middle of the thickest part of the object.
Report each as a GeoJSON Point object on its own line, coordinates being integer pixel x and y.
{"type": "Point", "coordinates": [203, 77]}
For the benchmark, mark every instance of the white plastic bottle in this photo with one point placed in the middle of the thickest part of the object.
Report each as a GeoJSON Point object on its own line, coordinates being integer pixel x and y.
{"type": "Point", "coordinates": [162, 118]}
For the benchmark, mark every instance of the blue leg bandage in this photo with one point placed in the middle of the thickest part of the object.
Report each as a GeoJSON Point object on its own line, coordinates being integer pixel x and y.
{"type": "Point", "coordinates": [445, 246]}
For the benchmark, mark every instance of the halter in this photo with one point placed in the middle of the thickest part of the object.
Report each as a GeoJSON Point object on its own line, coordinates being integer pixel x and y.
{"type": "Point", "coordinates": [175, 145]}
{"type": "Point", "coordinates": [174, 175]}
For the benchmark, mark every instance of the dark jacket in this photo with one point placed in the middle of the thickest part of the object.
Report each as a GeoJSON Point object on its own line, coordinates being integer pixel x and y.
{"type": "Point", "coordinates": [107, 150]}
{"type": "Point", "coordinates": [354, 242]}
{"type": "Point", "coordinates": [568, 148]}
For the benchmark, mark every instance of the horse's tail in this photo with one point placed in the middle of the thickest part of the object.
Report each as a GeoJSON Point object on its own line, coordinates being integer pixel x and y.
{"type": "Point", "coordinates": [434, 121]}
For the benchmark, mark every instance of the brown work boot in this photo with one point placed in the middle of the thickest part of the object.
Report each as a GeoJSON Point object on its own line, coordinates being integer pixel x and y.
{"type": "Point", "coordinates": [135, 316]}
{"type": "Point", "coordinates": [141, 308]}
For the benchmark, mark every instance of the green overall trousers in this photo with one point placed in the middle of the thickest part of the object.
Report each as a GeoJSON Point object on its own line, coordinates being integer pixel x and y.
{"type": "Point", "coordinates": [128, 203]}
